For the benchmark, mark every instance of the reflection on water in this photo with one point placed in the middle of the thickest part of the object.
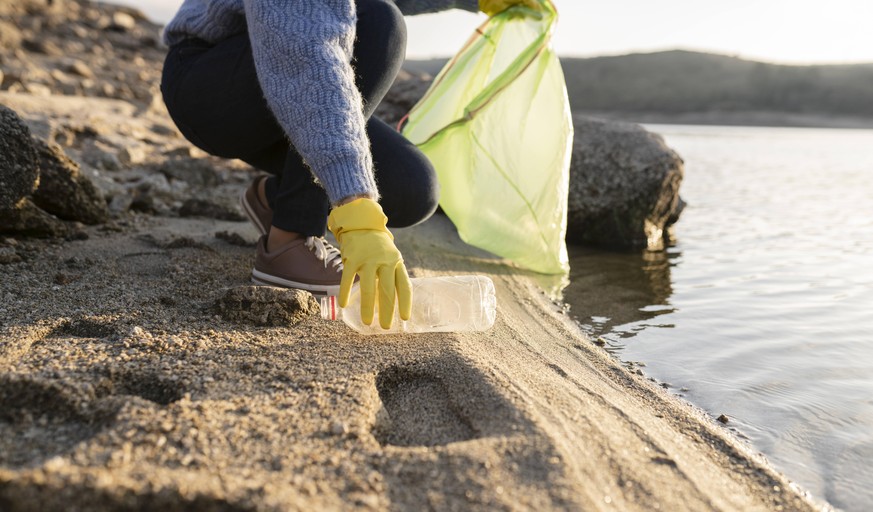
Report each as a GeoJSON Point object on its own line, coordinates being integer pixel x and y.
{"type": "Point", "coordinates": [608, 290]}
{"type": "Point", "coordinates": [763, 310]}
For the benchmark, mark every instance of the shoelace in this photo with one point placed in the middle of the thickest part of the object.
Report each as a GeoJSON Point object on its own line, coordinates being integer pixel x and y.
{"type": "Point", "coordinates": [325, 252]}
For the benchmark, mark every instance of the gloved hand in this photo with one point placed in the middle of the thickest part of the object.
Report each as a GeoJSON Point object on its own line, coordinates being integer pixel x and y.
{"type": "Point", "coordinates": [368, 250]}
{"type": "Point", "coordinates": [492, 7]}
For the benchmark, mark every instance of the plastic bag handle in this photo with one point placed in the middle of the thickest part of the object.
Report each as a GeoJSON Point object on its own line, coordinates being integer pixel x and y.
{"type": "Point", "coordinates": [513, 70]}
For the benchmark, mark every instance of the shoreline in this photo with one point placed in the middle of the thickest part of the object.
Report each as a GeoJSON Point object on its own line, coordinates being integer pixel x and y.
{"type": "Point", "coordinates": [199, 411]}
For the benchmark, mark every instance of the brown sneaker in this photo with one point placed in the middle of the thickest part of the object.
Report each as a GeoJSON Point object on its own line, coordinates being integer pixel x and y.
{"type": "Point", "coordinates": [259, 213]}
{"type": "Point", "coordinates": [309, 263]}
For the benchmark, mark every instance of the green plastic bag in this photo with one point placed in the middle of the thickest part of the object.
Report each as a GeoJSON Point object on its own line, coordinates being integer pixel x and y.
{"type": "Point", "coordinates": [496, 124]}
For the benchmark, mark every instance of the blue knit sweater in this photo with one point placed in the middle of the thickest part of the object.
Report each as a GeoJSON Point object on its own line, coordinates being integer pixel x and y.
{"type": "Point", "coordinates": [303, 51]}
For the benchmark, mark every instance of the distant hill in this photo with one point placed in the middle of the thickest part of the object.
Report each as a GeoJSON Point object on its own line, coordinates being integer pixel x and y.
{"type": "Point", "coordinates": [681, 82]}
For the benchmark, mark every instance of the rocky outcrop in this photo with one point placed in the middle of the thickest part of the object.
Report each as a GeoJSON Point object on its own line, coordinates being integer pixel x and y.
{"type": "Point", "coordinates": [64, 191]}
{"type": "Point", "coordinates": [267, 306]}
{"type": "Point", "coordinates": [19, 173]}
{"type": "Point", "coordinates": [40, 187]}
{"type": "Point", "coordinates": [29, 220]}
{"type": "Point", "coordinates": [76, 47]}
{"type": "Point", "coordinates": [624, 186]}
{"type": "Point", "coordinates": [210, 209]}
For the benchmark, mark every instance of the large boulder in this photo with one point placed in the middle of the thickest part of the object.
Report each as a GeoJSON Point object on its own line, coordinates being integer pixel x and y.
{"type": "Point", "coordinates": [63, 190]}
{"type": "Point", "coordinates": [19, 173]}
{"type": "Point", "coordinates": [29, 220]}
{"type": "Point", "coordinates": [624, 186]}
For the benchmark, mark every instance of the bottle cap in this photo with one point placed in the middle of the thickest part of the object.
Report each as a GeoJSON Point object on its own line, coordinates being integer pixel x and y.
{"type": "Point", "coordinates": [328, 307]}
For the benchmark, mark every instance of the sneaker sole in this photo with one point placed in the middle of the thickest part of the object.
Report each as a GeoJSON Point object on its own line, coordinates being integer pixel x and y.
{"type": "Point", "coordinates": [251, 214]}
{"type": "Point", "coordinates": [261, 278]}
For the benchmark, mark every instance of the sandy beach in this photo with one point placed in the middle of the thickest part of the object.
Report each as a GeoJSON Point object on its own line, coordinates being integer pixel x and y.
{"type": "Point", "coordinates": [123, 385]}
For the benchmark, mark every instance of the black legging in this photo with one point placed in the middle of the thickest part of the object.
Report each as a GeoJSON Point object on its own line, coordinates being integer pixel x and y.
{"type": "Point", "coordinates": [213, 95]}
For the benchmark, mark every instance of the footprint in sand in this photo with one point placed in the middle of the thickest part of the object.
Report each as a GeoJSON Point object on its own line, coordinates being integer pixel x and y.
{"type": "Point", "coordinates": [418, 410]}
{"type": "Point", "coordinates": [86, 327]}
{"type": "Point", "coordinates": [40, 419]}
{"type": "Point", "coordinates": [148, 384]}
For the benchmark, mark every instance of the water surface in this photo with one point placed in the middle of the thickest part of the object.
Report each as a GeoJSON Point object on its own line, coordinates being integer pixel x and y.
{"type": "Point", "coordinates": [763, 308]}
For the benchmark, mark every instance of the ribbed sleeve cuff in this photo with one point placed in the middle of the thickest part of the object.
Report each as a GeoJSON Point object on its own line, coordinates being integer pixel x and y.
{"type": "Point", "coordinates": [344, 177]}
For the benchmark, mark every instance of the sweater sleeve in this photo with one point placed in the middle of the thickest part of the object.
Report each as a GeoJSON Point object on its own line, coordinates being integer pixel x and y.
{"type": "Point", "coordinates": [302, 53]}
{"type": "Point", "coordinates": [413, 7]}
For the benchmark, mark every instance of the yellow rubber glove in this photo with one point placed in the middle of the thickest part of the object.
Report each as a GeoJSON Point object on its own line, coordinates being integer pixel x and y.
{"type": "Point", "coordinates": [368, 250]}
{"type": "Point", "coordinates": [492, 7]}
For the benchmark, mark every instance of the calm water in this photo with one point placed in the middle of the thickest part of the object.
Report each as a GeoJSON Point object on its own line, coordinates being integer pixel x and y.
{"type": "Point", "coordinates": [763, 310]}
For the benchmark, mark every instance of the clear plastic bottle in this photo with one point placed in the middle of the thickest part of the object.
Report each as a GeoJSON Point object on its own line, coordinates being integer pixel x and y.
{"type": "Point", "coordinates": [439, 304]}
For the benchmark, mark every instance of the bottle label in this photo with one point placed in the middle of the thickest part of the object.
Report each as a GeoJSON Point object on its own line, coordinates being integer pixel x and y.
{"type": "Point", "coordinates": [332, 302]}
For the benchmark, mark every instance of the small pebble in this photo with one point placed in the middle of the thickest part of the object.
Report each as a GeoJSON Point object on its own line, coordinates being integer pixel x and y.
{"type": "Point", "coordinates": [338, 428]}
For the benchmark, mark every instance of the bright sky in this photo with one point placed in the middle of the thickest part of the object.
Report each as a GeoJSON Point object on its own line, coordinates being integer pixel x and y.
{"type": "Point", "coordinates": [785, 31]}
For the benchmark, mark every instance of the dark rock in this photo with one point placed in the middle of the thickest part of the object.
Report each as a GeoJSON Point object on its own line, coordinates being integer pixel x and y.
{"type": "Point", "coordinates": [624, 186]}
{"type": "Point", "coordinates": [181, 242]}
{"type": "Point", "coordinates": [29, 220]}
{"type": "Point", "coordinates": [120, 203]}
{"type": "Point", "coordinates": [209, 209]}
{"type": "Point", "coordinates": [97, 154]}
{"type": "Point", "coordinates": [198, 172]}
{"type": "Point", "coordinates": [19, 172]}
{"type": "Point", "coordinates": [185, 242]}
{"type": "Point", "coordinates": [63, 190]}
{"type": "Point", "coordinates": [167, 130]}
{"type": "Point", "coordinates": [142, 201]}
{"type": "Point", "coordinates": [233, 239]}
{"type": "Point", "coordinates": [8, 255]}
{"type": "Point", "coordinates": [674, 215]}
{"type": "Point", "coordinates": [267, 306]}
{"type": "Point", "coordinates": [65, 278]}
{"type": "Point", "coordinates": [723, 419]}
{"type": "Point", "coordinates": [79, 263]}
{"type": "Point", "coordinates": [43, 46]}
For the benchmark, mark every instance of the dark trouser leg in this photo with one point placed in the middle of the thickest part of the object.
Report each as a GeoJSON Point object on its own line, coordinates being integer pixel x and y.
{"type": "Point", "coordinates": [406, 178]}
{"type": "Point", "coordinates": [380, 48]}
{"type": "Point", "coordinates": [213, 94]}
